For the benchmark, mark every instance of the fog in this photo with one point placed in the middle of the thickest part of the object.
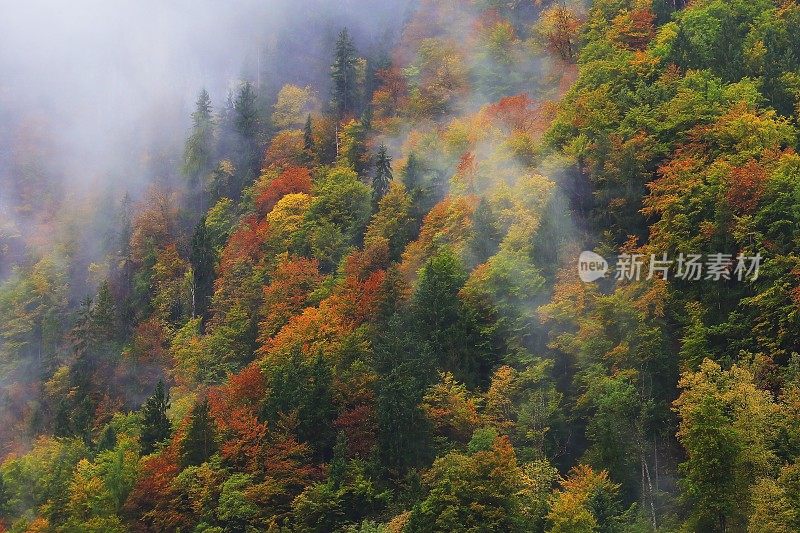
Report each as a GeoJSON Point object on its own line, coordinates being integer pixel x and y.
{"type": "Point", "coordinates": [95, 96]}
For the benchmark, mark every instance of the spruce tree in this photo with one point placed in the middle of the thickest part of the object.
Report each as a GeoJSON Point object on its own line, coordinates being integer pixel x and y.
{"type": "Point", "coordinates": [405, 365]}
{"type": "Point", "coordinates": [199, 443]}
{"type": "Point", "coordinates": [412, 177]}
{"type": "Point", "coordinates": [104, 314]}
{"type": "Point", "coordinates": [107, 439]}
{"type": "Point", "coordinates": [338, 468]}
{"type": "Point", "coordinates": [156, 427]}
{"type": "Point", "coordinates": [227, 141]}
{"type": "Point", "coordinates": [245, 119]}
{"type": "Point", "coordinates": [5, 497]}
{"type": "Point", "coordinates": [199, 151]}
{"type": "Point", "coordinates": [308, 142]}
{"type": "Point", "coordinates": [383, 175]}
{"type": "Point", "coordinates": [202, 260]}
{"type": "Point", "coordinates": [486, 236]}
{"type": "Point", "coordinates": [246, 125]}
{"type": "Point", "coordinates": [343, 75]}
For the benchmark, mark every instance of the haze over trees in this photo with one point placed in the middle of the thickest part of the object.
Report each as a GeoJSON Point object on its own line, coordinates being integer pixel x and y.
{"type": "Point", "coordinates": [360, 310]}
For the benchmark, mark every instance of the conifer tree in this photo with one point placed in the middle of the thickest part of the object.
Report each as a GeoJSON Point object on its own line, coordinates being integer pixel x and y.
{"type": "Point", "coordinates": [338, 467]}
{"type": "Point", "coordinates": [308, 142]}
{"type": "Point", "coordinates": [383, 175]}
{"type": "Point", "coordinates": [202, 260]}
{"type": "Point", "coordinates": [412, 177]}
{"type": "Point", "coordinates": [486, 236]}
{"type": "Point", "coordinates": [156, 427]}
{"type": "Point", "coordinates": [104, 314]}
{"type": "Point", "coordinates": [246, 126]}
{"type": "Point", "coordinates": [343, 74]}
{"type": "Point", "coordinates": [199, 443]}
{"type": "Point", "coordinates": [199, 151]}
{"type": "Point", "coordinates": [4, 496]}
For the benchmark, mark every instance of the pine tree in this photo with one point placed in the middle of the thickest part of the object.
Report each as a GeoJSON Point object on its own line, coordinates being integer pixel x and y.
{"type": "Point", "coordinates": [338, 468]}
{"type": "Point", "coordinates": [107, 439]}
{"type": "Point", "coordinates": [412, 177]}
{"type": "Point", "coordinates": [199, 443]}
{"type": "Point", "coordinates": [122, 275]}
{"type": "Point", "coordinates": [156, 427]}
{"type": "Point", "coordinates": [443, 320]}
{"type": "Point", "coordinates": [486, 236]}
{"type": "Point", "coordinates": [104, 314]}
{"type": "Point", "coordinates": [343, 74]}
{"type": "Point", "coordinates": [199, 151]}
{"type": "Point", "coordinates": [202, 260]}
{"type": "Point", "coordinates": [308, 142]}
{"type": "Point", "coordinates": [305, 388]}
{"type": "Point", "coordinates": [81, 333]}
{"type": "Point", "coordinates": [4, 497]}
{"type": "Point", "coordinates": [371, 82]}
{"type": "Point", "coordinates": [366, 119]}
{"type": "Point", "coordinates": [246, 126]}
{"type": "Point", "coordinates": [383, 175]}
{"type": "Point", "coordinates": [405, 365]}
{"type": "Point", "coordinates": [227, 132]}
{"type": "Point", "coordinates": [246, 112]}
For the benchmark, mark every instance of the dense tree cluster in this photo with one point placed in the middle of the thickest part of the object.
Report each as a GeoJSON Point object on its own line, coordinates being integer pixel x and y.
{"type": "Point", "coordinates": [363, 315]}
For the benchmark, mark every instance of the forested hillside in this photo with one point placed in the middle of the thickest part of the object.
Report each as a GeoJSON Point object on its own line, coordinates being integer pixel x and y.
{"type": "Point", "coordinates": [359, 308]}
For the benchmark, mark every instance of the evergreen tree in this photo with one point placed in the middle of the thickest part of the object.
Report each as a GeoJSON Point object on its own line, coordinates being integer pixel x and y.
{"type": "Point", "coordinates": [245, 109]}
{"type": "Point", "coordinates": [199, 151]}
{"type": "Point", "coordinates": [4, 497]}
{"type": "Point", "coordinates": [443, 320]}
{"type": "Point", "coordinates": [405, 365]}
{"type": "Point", "coordinates": [104, 314]}
{"type": "Point", "coordinates": [202, 260]}
{"type": "Point", "coordinates": [366, 119]}
{"type": "Point", "coordinates": [246, 125]}
{"type": "Point", "coordinates": [308, 135]}
{"type": "Point", "coordinates": [308, 142]}
{"type": "Point", "coordinates": [383, 175]}
{"type": "Point", "coordinates": [304, 388]}
{"type": "Point", "coordinates": [413, 180]}
{"type": "Point", "coordinates": [62, 425]}
{"type": "Point", "coordinates": [371, 83]}
{"type": "Point", "coordinates": [123, 267]}
{"type": "Point", "coordinates": [156, 427]}
{"type": "Point", "coordinates": [412, 177]}
{"type": "Point", "coordinates": [343, 74]}
{"type": "Point", "coordinates": [227, 132]}
{"type": "Point", "coordinates": [486, 236]}
{"type": "Point", "coordinates": [81, 334]}
{"type": "Point", "coordinates": [338, 468]}
{"type": "Point", "coordinates": [199, 443]}
{"type": "Point", "coordinates": [107, 439]}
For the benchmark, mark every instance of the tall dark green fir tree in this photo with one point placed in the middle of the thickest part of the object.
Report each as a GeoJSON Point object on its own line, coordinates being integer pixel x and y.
{"type": "Point", "coordinates": [104, 314]}
{"type": "Point", "coordinates": [308, 142]}
{"type": "Point", "coordinates": [343, 75]}
{"type": "Point", "coordinates": [199, 151]}
{"type": "Point", "coordinates": [156, 427]}
{"type": "Point", "coordinates": [246, 124]}
{"type": "Point", "coordinates": [201, 258]}
{"type": "Point", "coordinates": [199, 443]}
{"type": "Point", "coordinates": [383, 175]}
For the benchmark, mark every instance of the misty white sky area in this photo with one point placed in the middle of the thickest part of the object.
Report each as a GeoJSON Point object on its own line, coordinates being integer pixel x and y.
{"type": "Point", "coordinates": [109, 79]}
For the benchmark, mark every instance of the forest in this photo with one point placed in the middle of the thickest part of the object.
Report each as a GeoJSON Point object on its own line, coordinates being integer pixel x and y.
{"type": "Point", "coordinates": [353, 303]}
